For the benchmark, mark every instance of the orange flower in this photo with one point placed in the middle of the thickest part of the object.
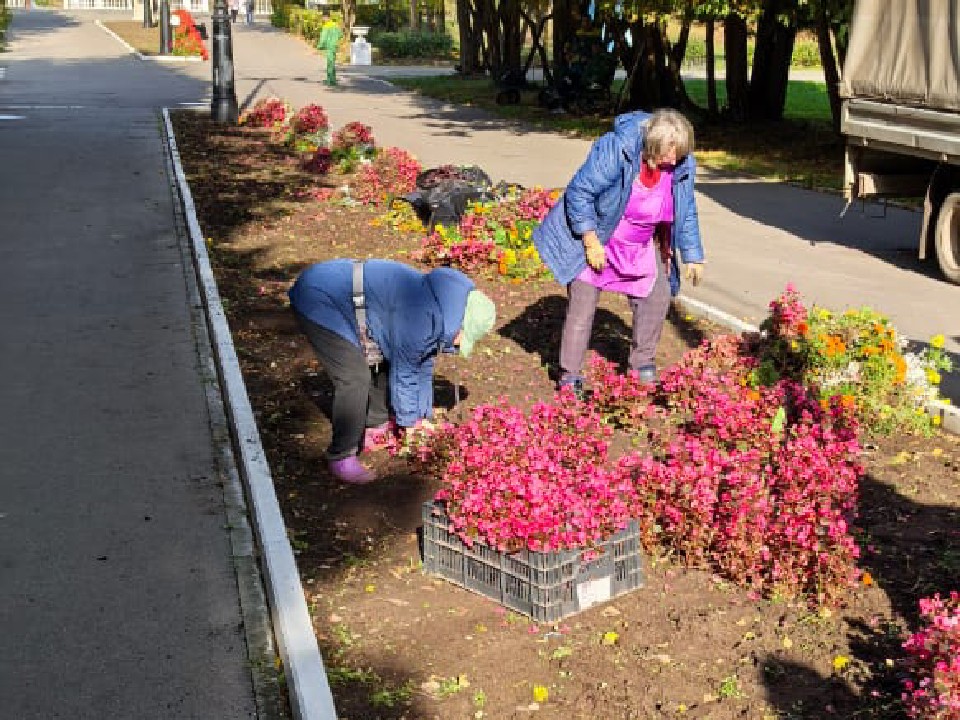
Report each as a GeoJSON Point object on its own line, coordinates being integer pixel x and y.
{"type": "Point", "coordinates": [901, 369]}
{"type": "Point", "coordinates": [866, 579]}
{"type": "Point", "coordinates": [803, 329]}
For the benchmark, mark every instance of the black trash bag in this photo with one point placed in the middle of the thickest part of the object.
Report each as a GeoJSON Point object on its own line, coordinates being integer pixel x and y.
{"type": "Point", "coordinates": [443, 193]}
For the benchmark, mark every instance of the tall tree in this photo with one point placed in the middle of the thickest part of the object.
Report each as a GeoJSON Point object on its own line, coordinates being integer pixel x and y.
{"type": "Point", "coordinates": [735, 51]}
{"type": "Point", "coordinates": [772, 55]}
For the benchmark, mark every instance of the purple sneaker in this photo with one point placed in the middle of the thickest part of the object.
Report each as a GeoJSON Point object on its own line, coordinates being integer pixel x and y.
{"type": "Point", "coordinates": [351, 471]}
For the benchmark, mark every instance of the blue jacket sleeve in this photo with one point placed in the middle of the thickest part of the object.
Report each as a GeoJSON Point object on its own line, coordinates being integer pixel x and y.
{"type": "Point", "coordinates": [688, 241]}
{"type": "Point", "coordinates": [411, 382]}
{"type": "Point", "coordinates": [600, 171]}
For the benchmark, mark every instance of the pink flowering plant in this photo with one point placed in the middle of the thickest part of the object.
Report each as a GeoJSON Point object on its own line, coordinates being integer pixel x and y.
{"type": "Point", "coordinates": [307, 129]}
{"type": "Point", "coordinates": [932, 692]}
{"type": "Point", "coordinates": [536, 480]}
{"type": "Point", "coordinates": [759, 485]}
{"type": "Point", "coordinates": [392, 172]}
{"type": "Point", "coordinates": [271, 113]}
{"type": "Point", "coordinates": [351, 145]}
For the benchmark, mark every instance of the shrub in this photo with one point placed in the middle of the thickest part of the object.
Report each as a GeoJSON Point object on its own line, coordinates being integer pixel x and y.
{"type": "Point", "coordinates": [857, 353]}
{"type": "Point", "coordinates": [806, 53]}
{"type": "Point", "coordinates": [320, 162]}
{"type": "Point", "coordinates": [307, 128]}
{"type": "Point", "coordinates": [408, 44]}
{"type": "Point", "coordinates": [392, 172]}
{"type": "Point", "coordinates": [933, 691]}
{"type": "Point", "coordinates": [269, 112]}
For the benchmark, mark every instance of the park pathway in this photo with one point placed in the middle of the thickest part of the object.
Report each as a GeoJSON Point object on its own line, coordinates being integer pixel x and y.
{"type": "Point", "coordinates": [119, 593]}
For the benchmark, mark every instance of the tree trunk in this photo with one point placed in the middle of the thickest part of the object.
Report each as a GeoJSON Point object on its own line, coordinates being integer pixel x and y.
{"type": "Point", "coordinates": [349, 10]}
{"type": "Point", "coordinates": [711, 60]}
{"type": "Point", "coordinates": [771, 60]}
{"type": "Point", "coordinates": [735, 49]}
{"type": "Point", "coordinates": [562, 31]}
{"type": "Point", "coordinates": [414, 15]}
{"type": "Point", "coordinates": [830, 73]}
{"type": "Point", "coordinates": [510, 30]}
{"type": "Point", "coordinates": [469, 40]}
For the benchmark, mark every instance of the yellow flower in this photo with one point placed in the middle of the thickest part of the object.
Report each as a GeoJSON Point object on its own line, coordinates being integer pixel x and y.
{"type": "Point", "coordinates": [933, 377]}
{"type": "Point", "coordinates": [610, 638]}
{"type": "Point", "coordinates": [840, 662]}
{"type": "Point", "coordinates": [936, 420]}
{"type": "Point", "coordinates": [937, 341]}
{"type": "Point", "coordinates": [540, 694]}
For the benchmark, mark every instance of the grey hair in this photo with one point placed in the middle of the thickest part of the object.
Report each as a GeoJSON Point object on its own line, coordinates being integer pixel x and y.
{"type": "Point", "coordinates": [665, 129]}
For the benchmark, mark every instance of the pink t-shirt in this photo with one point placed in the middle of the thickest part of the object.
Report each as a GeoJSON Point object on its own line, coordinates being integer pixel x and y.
{"type": "Point", "coordinates": [631, 266]}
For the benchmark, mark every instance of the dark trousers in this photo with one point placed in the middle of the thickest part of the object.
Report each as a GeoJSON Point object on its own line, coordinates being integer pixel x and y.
{"type": "Point", "coordinates": [359, 392]}
{"type": "Point", "coordinates": [649, 314]}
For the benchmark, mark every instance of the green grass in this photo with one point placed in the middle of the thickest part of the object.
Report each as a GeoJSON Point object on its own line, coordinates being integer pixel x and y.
{"type": "Point", "coordinates": [802, 149]}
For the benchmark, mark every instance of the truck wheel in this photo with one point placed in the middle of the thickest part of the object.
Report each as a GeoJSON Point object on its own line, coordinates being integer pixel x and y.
{"type": "Point", "coordinates": [948, 238]}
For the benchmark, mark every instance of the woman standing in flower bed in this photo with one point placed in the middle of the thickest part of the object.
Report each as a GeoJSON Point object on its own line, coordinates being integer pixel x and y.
{"type": "Point", "coordinates": [618, 226]}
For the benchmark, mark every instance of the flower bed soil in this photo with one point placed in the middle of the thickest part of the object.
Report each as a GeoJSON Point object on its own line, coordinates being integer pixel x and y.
{"type": "Point", "coordinates": [399, 644]}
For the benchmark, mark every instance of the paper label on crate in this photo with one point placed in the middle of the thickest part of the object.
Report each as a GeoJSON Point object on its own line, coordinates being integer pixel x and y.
{"type": "Point", "coordinates": [592, 592]}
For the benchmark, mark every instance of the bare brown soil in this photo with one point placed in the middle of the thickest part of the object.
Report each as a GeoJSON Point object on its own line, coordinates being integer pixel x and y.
{"type": "Point", "coordinates": [399, 644]}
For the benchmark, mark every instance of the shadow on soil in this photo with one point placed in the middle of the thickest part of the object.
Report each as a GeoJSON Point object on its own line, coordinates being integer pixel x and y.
{"type": "Point", "coordinates": [911, 551]}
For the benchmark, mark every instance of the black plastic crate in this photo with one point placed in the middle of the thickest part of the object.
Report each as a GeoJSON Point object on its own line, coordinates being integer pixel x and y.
{"type": "Point", "coordinates": [546, 586]}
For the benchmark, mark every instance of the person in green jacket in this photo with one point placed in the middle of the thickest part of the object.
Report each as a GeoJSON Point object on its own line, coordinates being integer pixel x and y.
{"type": "Point", "coordinates": [330, 35]}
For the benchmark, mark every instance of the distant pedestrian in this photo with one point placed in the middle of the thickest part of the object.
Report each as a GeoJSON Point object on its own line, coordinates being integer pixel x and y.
{"type": "Point", "coordinates": [234, 10]}
{"type": "Point", "coordinates": [330, 35]}
{"type": "Point", "coordinates": [251, 6]}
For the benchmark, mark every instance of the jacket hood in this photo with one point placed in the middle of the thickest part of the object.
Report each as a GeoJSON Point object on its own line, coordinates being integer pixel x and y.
{"type": "Point", "coordinates": [628, 130]}
{"type": "Point", "coordinates": [450, 287]}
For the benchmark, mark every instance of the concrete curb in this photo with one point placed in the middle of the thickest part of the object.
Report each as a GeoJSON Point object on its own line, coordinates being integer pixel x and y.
{"type": "Point", "coordinates": [948, 414]}
{"type": "Point", "coordinates": [140, 56]}
{"type": "Point", "coordinates": [310, 696]}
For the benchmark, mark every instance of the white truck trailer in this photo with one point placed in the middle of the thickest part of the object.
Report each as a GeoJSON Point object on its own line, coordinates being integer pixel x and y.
{"type": "Point", "coordinates": [901, 115]}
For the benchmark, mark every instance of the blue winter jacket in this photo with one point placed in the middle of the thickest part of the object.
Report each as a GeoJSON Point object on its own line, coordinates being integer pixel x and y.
{"type": "Point", "coordinates": [411, 315]}
{"type": "Point", "coordinates": [597, 196]}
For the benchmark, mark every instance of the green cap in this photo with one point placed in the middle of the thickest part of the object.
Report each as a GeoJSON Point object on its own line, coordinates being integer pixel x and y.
{"type": "Point", "coordinates": [478, 319]}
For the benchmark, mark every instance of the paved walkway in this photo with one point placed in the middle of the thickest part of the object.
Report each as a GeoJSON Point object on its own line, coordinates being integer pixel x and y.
{"type": "Point", "coordinates": [119, 591]}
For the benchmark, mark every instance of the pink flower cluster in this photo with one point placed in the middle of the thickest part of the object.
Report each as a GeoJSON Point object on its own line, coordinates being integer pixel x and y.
{"type": "Point", "coordinates": [933, 692]}
{"type": "Point", "coordinates": [466, 254]}
{"type": "Point", "coordinates": [309, 120]}
{"type": "Point", "coordinates": [266, 113]}
{"type": "Point", "coordinates": [759, 484]}
{"type": "Point", "coordinates": [537, 480]}
{"type": "Point", "coordinates": [393, 172]}
{"type": "Point", "coordinates": [788, 314]}
{"type": "Point", "coordinates": [352, 134]}
{"type": "Point", "coordinates": [320, 162]}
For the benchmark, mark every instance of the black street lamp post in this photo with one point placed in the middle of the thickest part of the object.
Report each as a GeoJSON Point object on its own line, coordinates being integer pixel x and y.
{"type": "Point", "coordinates": [164, 27]}
{"type": "Point", "coordinates": [223, 106]}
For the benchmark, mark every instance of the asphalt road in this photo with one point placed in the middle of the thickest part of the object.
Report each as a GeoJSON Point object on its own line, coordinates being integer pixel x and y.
{"type": "Point", "coordinates": [119, 594]}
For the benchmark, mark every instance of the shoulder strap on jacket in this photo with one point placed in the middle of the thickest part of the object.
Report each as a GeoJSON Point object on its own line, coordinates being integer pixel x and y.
{"type": "Point", "coordinates": [359, 301]}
